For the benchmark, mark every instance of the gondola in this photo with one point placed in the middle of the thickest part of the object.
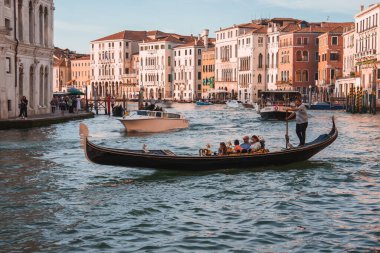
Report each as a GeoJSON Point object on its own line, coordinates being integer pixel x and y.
{"type": "Point", "coordinates": [165, 159]}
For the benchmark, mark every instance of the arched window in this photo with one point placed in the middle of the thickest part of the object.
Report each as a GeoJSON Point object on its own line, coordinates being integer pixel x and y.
{"type": "Point", "coordinates": [40, 24]}
{"type": "Point", "coordinates": [305, 76]}
{"type": "Point", "coordinates": [46, 27]}
{"type": "Point", "coordinates": [305, 56]}
{"type": "Point", "coordinates": [41, 90]}
{"type": "Point", "coordinates": [20, 24]}
{"type": "Point", "coordinates": [260, 61]}
{"type": "Point", "coordinates": [267, 61]}
{"type": "Point", "coordinates": [46, 88]}
{"type": "Point", "coordinates": [299, 56]}
{"type": "Point", "coordinates": [272, 63]}
{"type": "Point", "coordinates": [259, 78]}
{"type": "Point", "coordinates": [298, 76]}
{"type": "Point", "coordinates": [31, 23]}
{"type": "Point", "coordinates": [31, 87]}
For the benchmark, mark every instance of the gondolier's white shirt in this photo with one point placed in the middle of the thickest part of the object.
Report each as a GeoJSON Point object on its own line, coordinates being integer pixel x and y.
{"type": "Point", "coordinates": [301, 114]}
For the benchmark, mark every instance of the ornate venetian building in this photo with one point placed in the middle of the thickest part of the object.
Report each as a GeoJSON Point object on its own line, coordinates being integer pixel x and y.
{"type": "Point", "coordinates": [26, 48]}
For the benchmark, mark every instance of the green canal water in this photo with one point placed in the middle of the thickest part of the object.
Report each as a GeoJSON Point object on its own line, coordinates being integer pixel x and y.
{"type": "Point", "coordinates": [53, 200]}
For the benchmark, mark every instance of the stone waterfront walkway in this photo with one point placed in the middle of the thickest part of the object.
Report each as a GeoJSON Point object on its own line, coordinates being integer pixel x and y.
{"type": "Point", "coordinates": [43, 120]}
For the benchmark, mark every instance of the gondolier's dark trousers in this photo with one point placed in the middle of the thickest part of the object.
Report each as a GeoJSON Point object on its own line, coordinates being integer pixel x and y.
{"type": "Point", "coordinates": [301, 132]}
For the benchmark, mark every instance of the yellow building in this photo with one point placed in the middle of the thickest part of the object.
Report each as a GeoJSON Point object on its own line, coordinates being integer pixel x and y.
{"type": "Point", "coordinates": [208, 73]}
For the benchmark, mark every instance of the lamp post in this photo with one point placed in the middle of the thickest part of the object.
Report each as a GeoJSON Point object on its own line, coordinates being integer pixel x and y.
{"type": "Point", "coordinates": [309, 96]}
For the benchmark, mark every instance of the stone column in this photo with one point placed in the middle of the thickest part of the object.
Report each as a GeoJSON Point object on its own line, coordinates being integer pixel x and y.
{"type": "Point", "coordinates": [3, 87]}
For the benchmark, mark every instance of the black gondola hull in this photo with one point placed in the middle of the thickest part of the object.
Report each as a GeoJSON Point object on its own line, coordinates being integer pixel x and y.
{"type": "Point", "coordinates": [155, 160]}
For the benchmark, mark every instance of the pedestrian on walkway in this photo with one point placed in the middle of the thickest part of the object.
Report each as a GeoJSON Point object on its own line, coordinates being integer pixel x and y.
{"type": "Point", "coordinates": [301, 121]}
{"type": "Point", "coordinates": [23, 108]}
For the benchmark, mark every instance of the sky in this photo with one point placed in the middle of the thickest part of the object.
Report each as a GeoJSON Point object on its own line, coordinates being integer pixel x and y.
{"type": "Point", "coordinates": [77, 22]}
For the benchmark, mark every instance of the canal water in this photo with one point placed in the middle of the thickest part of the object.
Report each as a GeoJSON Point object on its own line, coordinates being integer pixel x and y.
{"type": "Point", "coordinates": [53, 199]}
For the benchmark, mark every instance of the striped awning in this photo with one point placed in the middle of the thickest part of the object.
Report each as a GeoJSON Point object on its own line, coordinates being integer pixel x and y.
{"type": "Point", "coordinates": [71, 81]}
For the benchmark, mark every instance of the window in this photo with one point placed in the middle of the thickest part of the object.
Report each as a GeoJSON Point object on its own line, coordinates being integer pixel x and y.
{"type": "Point", "coordinates": [334, 56]}
{"type": "Point", "coordinates": [199, 75]}
{"type": "Point", "coordinates": [299, 41]}
{"type": "Point", "coordinates": [317, 56]}
{"type": "Point", "coordinates": [8, 26]}
{"type": "Point", "coordinates": [305, 56]}
{"type": "Point", "coordinates": [199, 51]}
{"type": "Point", "coordinates": [127, 44]}
{"type": "Point", "coordinates": [305, 76]}
{"type": "Point", "coordinates": [378, 73]}
{"type": "Point", "coordinates": [199, 62]}
{"type": "Point", "coordinates": [305, 41]}
{"type": "Point", "coordinates": [334, 40]}
{"type": "Point", "coordinates": [126, 56]}
{"type": "Point", "coordinates": [259, 78]}
{"type": "Point", "coordinates": [332, 73]}
{"type": "Point", "coordinates": [298, 76]}
{"type": "Point", "coordinates": [7, 3]}
{"type": "Point", "coordinates": [8, 65]}
{"type": "Point", "coordinates": [260, 60]}
{"type": "Point", "coordinates": [299, 56]}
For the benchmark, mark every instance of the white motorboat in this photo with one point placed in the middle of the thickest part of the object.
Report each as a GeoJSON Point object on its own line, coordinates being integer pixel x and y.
{"type": "Point", "coordinates": [153, 121]}
{"type": "Point", "coordinates": [232, 103]}
{"type": "Point", "coordinates": [274, 104]}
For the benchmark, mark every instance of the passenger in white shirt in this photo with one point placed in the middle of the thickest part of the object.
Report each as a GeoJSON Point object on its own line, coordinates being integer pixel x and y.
{"type": "Point", "coordinates": [256, 145]}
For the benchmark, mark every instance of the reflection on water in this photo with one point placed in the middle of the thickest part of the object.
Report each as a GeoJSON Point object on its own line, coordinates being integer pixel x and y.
{"type": "Point", "coordinates": [53, 199]}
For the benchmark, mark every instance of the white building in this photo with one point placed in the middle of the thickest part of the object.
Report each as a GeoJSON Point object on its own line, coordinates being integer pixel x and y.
{"type": "Point", "coordinates": [251, 64]}
{"type": "Point", "coordinates": [156, 63]}
{"type": "Point", "coordinates": [111, 61]}
{"type": "Point", "coordinates": [188, 69]}
{"type": "Point", "coordinates": [276, 27]}
{"type": "Point", "coordinates": [226, 58]}
{"type": "Point", "coordinates": [367, 55]}
{"type": "Point", "coordinates": [26, 48]}
{"type": "Point", "coordinates": [351, 77]}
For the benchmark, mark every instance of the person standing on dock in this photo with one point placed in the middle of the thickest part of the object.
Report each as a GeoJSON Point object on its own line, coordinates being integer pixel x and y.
{"type": "Point", "coordinates": [301, 121]}
{"type": "Point", "coordinates": [23, 108]}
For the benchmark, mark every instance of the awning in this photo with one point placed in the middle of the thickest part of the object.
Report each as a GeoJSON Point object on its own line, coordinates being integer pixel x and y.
{"type": "Point", "coordinates": [218, 91]}
{"type": "Point", "coordinates": [71, 81]}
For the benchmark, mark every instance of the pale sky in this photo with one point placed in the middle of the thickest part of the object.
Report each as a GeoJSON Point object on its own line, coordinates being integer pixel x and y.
{"type": "Point", "coordinates": [77, 22]}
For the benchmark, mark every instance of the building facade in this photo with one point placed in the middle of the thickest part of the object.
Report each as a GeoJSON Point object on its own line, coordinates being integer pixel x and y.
{"type": "Point", "coordinates": [367, 58]}
{"type": "Point", "coordinates": [208, 73]}
{"type": "Point", "coordinates": [26, 49]}
{"type": "Point", "coordinates": [252, 64]}
{"type": "Point", "coordinates": [276, 27]}
{"type": "Point", "coordinates": [81, 70]}
{"type": "Point", "coordinates": [157, 64]}
{"type": "Point", "coordinates": [351, 77]}
{"type": "Point", "coordinates": [112, 61]}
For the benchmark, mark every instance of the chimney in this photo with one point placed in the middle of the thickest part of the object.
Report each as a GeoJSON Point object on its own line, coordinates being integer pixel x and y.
{"type": "Point", "coordinates": [361, 7]}
{"type": "Point", "coordinates": [205, 37]}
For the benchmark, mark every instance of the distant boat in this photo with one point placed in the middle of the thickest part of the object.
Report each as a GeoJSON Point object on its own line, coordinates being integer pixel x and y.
{"type": "Point", "coordinates": [248, 105]}
{"type": "Point", "coordinates": [165, 103]}
{"type": "Point", "coordinates": [274, 104]}
{"type": "Point", "coordinates": [325, 106]}
{"type": "Point", "coordinates": [203, 103]}
{"type": "Point", "coordinates": [153, 121]}
{"type": "Point", "coordinates": [232, 103]}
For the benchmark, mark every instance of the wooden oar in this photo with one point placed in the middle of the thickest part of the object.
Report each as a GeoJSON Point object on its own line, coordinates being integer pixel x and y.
{"type": "Point", "coordinates": [287, 130]}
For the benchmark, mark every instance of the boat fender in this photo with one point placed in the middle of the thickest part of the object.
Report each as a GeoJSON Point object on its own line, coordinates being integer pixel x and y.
{"type": "Point", "coordinates": [145, 148]}
{"type": "Point", "coordinates": [276, 108]}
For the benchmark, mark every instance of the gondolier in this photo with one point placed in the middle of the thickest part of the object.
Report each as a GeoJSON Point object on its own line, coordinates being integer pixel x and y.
{"type": "Point", "coordinates": [301, 119]}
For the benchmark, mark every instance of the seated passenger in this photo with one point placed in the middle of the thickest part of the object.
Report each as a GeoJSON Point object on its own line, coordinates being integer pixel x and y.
{"type": "Point", "coordinates": [256, 145]}
{"type": "Point", "coordinates": [222, 149]}
{"type": "Point", "coordinates": [245, 145]}
{"type": "Point", "coordinates": [237, 148]}
{"type": "Point", "coordinates": [229, 148]}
